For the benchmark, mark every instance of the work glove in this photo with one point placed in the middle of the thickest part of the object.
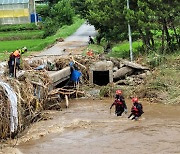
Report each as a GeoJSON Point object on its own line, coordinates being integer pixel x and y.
{"type": "Point", "coordinates": [125, 111]}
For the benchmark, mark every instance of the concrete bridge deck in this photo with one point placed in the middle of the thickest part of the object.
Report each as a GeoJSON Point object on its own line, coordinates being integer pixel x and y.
{"type": "Point", "coordinates": [59, 76]}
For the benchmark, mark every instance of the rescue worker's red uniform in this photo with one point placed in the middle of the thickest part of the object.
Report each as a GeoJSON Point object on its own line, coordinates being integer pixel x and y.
{"type": "Point", "coordinates": [136, 110]}
{"type": "Point", "coordinates": [120, 105]}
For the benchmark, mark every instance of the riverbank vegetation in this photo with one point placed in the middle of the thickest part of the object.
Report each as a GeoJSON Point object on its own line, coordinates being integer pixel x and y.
{"type": "Point", "coordinates": [156, 24]}
{"type": "Point", "coordinates": [155, 36]}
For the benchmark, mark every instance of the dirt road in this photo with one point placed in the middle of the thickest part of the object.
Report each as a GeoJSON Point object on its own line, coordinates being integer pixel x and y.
{"type": "Point", "coordinates": [72, 43]}
{"type": "Point", "coordinates": [89, 127]}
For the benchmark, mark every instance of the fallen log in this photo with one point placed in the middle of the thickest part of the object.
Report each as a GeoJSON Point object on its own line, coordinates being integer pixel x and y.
{"type": "Point", "coordinates": [134, 65]}
{"type": "Point", "coordinates": [122, 72]}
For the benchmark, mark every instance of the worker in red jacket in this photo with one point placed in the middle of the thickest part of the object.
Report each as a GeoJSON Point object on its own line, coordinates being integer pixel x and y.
{"type": "Point", "coordinates": [120, 105]}
{"type": "Point", "coordinates": [136, 110]}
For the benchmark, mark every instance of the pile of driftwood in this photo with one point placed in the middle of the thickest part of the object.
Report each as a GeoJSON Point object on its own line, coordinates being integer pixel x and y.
{"type": "Point", "coordinates": [124, 72]}
{"type": "Point", "coordinates": [63, 93]}
{"type": "Point", "coordinates": [31, 90]}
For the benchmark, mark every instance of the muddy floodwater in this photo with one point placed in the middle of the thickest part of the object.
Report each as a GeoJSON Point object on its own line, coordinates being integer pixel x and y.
{"type": "Point", "coordinates": [88, 127]}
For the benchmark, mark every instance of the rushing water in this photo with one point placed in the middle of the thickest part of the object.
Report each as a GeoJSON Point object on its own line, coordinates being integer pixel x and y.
{"type": "Point", "coordinates": [88, 127]}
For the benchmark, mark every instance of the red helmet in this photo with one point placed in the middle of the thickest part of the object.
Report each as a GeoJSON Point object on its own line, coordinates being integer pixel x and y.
{"type": "Point", "coordinates": [135, 99]}
{"type": "Point", "coordinates": [118, 92]}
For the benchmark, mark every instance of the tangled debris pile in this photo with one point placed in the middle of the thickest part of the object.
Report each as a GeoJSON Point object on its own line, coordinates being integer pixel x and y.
{"type": "Point", "coordinates": [31, 90]}
{"type": "Point", "coordinates": [33, 93]}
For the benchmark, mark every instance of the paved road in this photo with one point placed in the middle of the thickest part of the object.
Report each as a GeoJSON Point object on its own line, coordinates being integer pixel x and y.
{"type": "Point", "coordinates": [77, 40]}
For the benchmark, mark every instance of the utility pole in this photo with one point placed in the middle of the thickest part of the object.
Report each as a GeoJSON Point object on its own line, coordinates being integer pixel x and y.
{"type": "Point", "coordinates": [130, 38]}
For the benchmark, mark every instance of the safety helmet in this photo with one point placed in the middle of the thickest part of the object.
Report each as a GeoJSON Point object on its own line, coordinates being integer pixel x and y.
{"type": "Point", "coordinates": [24, 48]}
{"type": "Point", "coordinates": [118, 92]}
{"type": "Point", "coordinates": [135, 99]}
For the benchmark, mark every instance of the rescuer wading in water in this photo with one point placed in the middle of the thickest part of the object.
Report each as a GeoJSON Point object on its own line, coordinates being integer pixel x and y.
{"type": "Point", "coordinates": [120, 105]}
{"type": "Point", "coordinates": [136, 109]}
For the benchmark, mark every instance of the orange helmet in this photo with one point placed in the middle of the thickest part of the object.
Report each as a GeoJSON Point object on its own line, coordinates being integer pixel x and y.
{"type": "Point", "coordinates": [118, 92]}
{"type": "Point", "coordinates": [135, 99]}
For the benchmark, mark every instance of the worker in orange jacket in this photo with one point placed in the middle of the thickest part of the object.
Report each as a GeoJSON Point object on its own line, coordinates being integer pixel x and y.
{"type": "Point", "coordinates": [14, 61]}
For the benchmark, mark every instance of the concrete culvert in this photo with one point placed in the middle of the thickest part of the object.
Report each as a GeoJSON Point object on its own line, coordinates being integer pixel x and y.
{"type": "Point", "coordinates": [101, 78]}
{"type": "Point", "coordinates": [101, 73]}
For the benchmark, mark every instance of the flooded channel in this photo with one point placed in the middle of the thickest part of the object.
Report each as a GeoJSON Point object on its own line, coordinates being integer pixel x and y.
{"type": "Point", "coordinates": [88, 126]}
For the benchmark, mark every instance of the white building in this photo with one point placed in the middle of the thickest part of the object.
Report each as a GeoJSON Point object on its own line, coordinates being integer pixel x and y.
{"type": "Point", "coordinates": [16, 11]}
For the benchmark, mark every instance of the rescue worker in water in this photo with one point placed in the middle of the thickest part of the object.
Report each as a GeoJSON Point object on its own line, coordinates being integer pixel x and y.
{"type": "Point", "coordinates": [120, 105]}
{"type": "Point", "coordinates": [136, 110]}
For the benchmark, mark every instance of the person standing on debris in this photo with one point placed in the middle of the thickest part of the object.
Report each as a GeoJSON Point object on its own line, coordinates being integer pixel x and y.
{"type": "Point", "coordinates": [91, 41]}
{"type": "Point", "coordinates": [75, 74]}
{"type": "Point", "coordinates": [14, 61]}
{"type": "Point", "coordinates": [136, 110]}
{"type": "Point", "coordinates": [120, 104]}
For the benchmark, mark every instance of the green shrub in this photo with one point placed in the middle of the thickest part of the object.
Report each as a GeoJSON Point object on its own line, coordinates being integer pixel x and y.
{"type": "Point", "coordinates": [50, 27]}
{"type": "Point", "coordinates": [19, 27]}
{"type": "Point", "coordinates": [105, 91]}
{"type": "Point", "coordinates": [43, 11]}
{"type": "Point", "coordinates": [155, 59]}
{"type": "Point", "coordinates": [21, 35]}
{"type": "Point", "coordinates": [122, 50]}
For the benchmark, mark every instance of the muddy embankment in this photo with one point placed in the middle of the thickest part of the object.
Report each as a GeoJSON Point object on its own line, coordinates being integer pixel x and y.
{"type": "Point", "coordinates": [88, 126]}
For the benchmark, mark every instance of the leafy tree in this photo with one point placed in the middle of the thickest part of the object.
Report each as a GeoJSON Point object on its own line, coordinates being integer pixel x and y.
{"type": "Point", "coordinates": [107, 17]}
{"type": "Point", "coordinates": [142, 19]}
{"type": "Point", "coordinates": [43, 11]}
{"type": "Point", "coordinates": [146, 17]}
{"type": "Point", "coordinates": [62, 12]}
{"type": "Point", "coordinates": [59, 14]}
{"type": "Point", "coordinates": [52, 2]}
{"type": "Point", "coordinates": [167, 13]}
{"type": "Point", "coordinates": [80, 7]}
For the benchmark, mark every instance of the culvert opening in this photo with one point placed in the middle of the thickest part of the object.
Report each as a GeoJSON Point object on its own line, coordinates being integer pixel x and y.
{"type": "Point", "coordinates": [63, 83]}
{"type": "Point", "coordinates": [101, 78]}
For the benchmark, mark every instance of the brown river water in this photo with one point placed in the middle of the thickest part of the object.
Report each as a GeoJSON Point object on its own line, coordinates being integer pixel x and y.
{"type": "Point", "coordinates": [88, 127]}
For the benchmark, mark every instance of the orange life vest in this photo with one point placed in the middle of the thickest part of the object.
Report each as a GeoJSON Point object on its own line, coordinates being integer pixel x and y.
{"type": "Point", "coordinates": [16, 53]}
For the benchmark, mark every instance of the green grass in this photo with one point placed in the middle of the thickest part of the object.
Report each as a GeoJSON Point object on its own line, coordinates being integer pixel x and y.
{"type": "Point", "coordinates": [18, 27]}
{"type": "Point", "coordinates": [13, 45]}
{"type": "Point", "coordinates": [38, 44]}
{"type": "Point", "coordinates": [122, 50]}
{"type": "Point", "coordinates": [167, 82]}
{"type": "Point", "coordinates": [20, 35]}
{"type": "Point", "coordinates": [97, 49]}
{"type": "Point", "coordinates": [163, 83]}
